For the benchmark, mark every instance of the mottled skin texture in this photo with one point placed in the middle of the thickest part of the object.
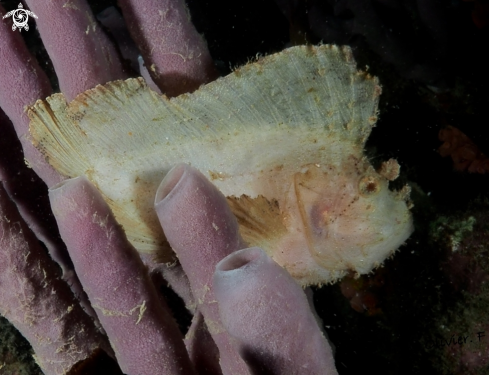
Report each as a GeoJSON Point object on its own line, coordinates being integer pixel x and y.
{"type": "Point", "coordinates": [83, 57]}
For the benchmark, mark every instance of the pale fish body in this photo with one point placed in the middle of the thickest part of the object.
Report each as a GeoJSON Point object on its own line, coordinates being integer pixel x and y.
{"type": "Point", "coordinates": [282, 138]}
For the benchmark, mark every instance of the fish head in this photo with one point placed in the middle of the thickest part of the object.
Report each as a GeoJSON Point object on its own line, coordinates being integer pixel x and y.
{"type": "Point", "coordinates": [350, 219]}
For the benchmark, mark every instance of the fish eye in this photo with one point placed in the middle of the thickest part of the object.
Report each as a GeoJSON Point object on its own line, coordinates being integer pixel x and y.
{"type": "Point", "coordinates": [368, 186]}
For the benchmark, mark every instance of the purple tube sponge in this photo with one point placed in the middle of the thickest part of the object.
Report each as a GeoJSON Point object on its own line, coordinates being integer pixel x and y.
{"type": "Point", "coordinates": [268, 314]}
{"type": "Point", "coordinates": [29, 193]}
{"type": "Point", "coordinates": [143, 334]}
{"type": "Point", "coordinates": [37, 302]}
{"type": "Point", "coordinates": [85, 49]}
{"type": "Point", "coordinates": [175, 54]}
{"type": "Point", "coordinates": [202, 230]}
{"type": "Point", "coordinates": [201, 348]}
{"type": "Point", "coordinates": [262, 316]}
{"type": "Point", "coordinates": [22, 82]}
